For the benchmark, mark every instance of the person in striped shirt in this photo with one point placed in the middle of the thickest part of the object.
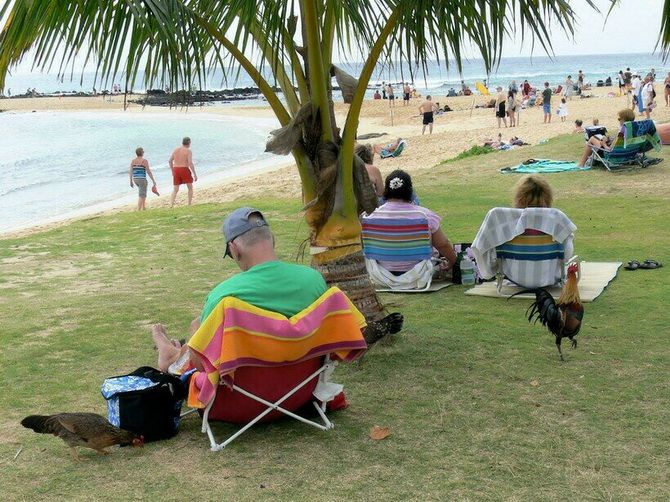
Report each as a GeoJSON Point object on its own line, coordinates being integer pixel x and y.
{"type": "Point", "coordinates": [139, 169]}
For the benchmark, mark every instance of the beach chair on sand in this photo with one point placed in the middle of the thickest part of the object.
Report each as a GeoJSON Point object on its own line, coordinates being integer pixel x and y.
{"type": "Point", "coordinates": [524, 248]}
{"type": "Point", "coordinates": [386, 153]}
{"type": "Point", "coordinates": [630, 150]}
{"type": "Point", "coordinates": [259, 366]}
{"type": "Point", "coordinates": [396, 236]}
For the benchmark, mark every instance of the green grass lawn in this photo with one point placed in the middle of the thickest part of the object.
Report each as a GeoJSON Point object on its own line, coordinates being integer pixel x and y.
{"type": "Point", "coordinates": [454, 387]}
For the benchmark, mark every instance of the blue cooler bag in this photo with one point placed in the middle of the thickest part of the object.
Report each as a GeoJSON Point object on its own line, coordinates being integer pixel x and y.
{"type": "Point", "coordinates": [146, 402]}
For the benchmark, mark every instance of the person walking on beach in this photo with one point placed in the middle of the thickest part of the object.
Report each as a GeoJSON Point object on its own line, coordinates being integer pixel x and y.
{"type": "Point", "coordinates": [622, 82]}
{"type": "Point", "coordinates": [427, 108]}
{"type": "Point", "coordinates": [511, 108]}
{"type": "Point", "coordinates": [407, 93]}
{"type": "Point", "coordinates": [563, 109]}
{"type": "Point", "coordinates": [183, 170]}
{"type": "Point", "coordinates": [648, 95]}
{"type": "Point", "coordinates": [139, 169]}
{"type": "Point", "coordinates": [383, 90]}
{"type": "Point", "coordinates": [627, 77]}
{"type": "Point", "coordinates": [391, 96]}
{"type": "Point", "coordinates": [569, 87]}
{"type": "Point", "coordinates": [580, 81]}
{"type": "Point", "coordinates": [500, 106]}
{"type": "Point", "coordinates": [546, 103]}
{"type": "Point", "coordinates": [635, 85]}
{"type": "Point", "coordinates": [666, 84]}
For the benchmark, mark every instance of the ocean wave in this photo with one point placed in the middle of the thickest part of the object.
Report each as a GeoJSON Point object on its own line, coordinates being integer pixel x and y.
{"type": "Point", "coordinates": [24, 187]}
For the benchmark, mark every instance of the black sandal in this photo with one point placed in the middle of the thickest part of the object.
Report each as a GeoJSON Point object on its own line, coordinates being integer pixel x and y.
{"type": "Point", "coordinates": [651, 264]}
{"type": "Point", "coordinates": [632, 265]}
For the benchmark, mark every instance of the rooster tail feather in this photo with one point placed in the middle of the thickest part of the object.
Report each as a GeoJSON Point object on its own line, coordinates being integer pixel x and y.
{"type": "Point", "coordinates": [525, 291]}
{"type": "Point", "coordinates": [38, 423]}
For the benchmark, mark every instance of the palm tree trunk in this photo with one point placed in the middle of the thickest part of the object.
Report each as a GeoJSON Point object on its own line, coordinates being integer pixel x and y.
{"type": "Point", "coordinates": [350, 275]}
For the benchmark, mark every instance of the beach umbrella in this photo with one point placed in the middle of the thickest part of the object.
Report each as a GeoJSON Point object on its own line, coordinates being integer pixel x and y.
{"type": "Point", "coordinates": [483, 90]}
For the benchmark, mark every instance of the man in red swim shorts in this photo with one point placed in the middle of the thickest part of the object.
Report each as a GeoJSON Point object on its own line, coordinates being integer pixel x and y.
{"type": "Point", "coordinates": [183, 170]}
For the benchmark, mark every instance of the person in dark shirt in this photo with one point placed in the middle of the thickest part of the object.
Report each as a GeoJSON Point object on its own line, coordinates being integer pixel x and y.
{"type": "Point", "coordinates": [546, 103]}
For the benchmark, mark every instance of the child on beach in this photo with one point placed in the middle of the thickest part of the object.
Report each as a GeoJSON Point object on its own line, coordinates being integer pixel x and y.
{"type": "Point", "coordinates": [563, 110]}
{"type": "Point", "coordinates": [139, 169]}
{"type": "Point", "coordinates": [579, 126]}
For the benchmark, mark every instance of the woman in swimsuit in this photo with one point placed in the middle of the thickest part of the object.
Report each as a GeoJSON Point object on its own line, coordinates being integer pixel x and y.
{"type": "Point", "coordinates": [139, 169]}
{"type": "Point", "coordinates": [667, 89]}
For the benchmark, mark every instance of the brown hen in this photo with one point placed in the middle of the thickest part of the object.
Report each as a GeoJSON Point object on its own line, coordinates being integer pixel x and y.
{"type": "Point", "coordinates": [82, 429]}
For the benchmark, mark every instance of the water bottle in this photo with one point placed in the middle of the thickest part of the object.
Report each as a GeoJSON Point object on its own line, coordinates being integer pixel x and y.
{"type": "Point", "coordinates": [467, 271]}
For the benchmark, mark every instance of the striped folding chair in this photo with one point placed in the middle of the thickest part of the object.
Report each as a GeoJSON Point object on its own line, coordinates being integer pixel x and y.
{"type": "Point", "coordinates": [398, 236]}
{"type": "Point", "coordinates": [640, 138]}
{"type": "Point", "coordinates": [528, 256]}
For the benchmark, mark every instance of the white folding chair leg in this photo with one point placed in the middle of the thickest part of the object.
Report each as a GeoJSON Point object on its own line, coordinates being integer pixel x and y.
{"type": "Point", "coordinates": [206, 428]}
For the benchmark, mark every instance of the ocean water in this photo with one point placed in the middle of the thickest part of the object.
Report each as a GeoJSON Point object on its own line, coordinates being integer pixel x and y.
{"type": "Point", "coordinates": [54, 164]}
{"type": "Point", "coordinates": [57, 164]}
{"type": "Point", "coordinates": [437, 80]}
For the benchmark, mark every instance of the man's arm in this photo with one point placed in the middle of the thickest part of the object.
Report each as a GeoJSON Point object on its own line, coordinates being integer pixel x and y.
{"type": "Point", "coordinates": [130, 173]}
{"type": "Point", "coordinates": [191, 166]}
{"type": "Point", "coordinates": [171, 161]}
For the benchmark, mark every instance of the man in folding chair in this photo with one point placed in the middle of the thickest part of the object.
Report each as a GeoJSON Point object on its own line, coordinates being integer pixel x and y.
{"type": "Point", "coordinates": [275, 326]}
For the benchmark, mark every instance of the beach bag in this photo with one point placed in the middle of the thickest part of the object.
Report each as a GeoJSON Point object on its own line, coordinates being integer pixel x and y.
{"type": "Point", "coordinates": [146, 402]}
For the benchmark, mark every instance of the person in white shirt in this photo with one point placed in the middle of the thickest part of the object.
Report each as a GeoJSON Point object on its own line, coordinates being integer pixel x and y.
{"type": "Point", "coordinates": [648, 93]}
{"type": "Point", "coordinates": [635, 86]}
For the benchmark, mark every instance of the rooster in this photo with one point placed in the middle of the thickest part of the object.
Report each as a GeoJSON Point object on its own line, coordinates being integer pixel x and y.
{"type": "Point", "coordinates": [82, 429]}
{"type": "Point", "coordinates": [563, 318]}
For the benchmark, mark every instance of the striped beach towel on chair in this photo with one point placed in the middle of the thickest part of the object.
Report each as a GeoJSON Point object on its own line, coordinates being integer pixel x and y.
{"type": "Point", "coordinates": [399, 237]}
{"type": "Point", "coordinates": [237, 334]}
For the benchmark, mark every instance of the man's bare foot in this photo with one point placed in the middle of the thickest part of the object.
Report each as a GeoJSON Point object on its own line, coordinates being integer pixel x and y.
{"type": "Point", "coordinates": [167, 352]}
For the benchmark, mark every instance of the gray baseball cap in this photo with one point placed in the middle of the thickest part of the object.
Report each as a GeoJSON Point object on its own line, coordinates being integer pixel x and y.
{"type": "Point", "coordinates": [237, 223]}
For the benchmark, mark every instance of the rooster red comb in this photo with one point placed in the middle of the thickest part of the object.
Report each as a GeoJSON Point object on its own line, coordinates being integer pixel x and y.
{"type": "Point", "coordinates": [573, 268]}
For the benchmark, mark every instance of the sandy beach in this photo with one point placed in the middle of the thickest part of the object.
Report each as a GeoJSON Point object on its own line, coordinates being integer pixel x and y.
{"type": "Point", "coordinates": [453, 133]}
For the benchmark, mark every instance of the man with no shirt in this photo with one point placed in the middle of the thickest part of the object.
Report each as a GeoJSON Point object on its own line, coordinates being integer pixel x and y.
{"type": "Point", "coordinates": [183, 170]}
{"type": "Point", "coordinates": [427, 108]}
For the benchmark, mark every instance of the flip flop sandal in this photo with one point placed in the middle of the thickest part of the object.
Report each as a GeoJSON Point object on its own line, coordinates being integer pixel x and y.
{"type": "Point", "coordinates": [632, 265]}
{"type": "Point", "coordinates": [650, 264]}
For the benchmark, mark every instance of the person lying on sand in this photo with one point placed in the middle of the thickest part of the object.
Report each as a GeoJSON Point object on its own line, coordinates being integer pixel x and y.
{"type": "Point", "coordinates": [390, 147]}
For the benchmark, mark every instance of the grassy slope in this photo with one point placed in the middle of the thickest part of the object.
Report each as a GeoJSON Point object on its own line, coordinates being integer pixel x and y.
{"type": "Point", "coordinates": [454, 387]}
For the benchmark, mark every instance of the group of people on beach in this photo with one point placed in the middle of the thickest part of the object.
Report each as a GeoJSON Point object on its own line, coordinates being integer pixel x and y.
{"type": "Point", "coordinates": [388, 92]}
{"type": "Point", "coordinates": [181, 165]}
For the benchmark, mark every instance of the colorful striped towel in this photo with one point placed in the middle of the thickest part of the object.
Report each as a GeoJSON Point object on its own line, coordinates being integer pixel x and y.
{"type": "Point", "coordinates": [396, 239]}
{"type": "Point", "coordinates": [544, 166]}
{"type": "Point", "coordinates": [640, 131]}
{"type": "Point", "coordinates": [237, 334]}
